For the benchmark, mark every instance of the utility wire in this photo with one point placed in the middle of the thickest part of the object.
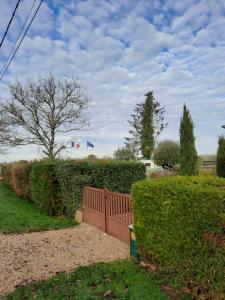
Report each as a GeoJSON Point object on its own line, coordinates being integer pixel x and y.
{"type": "Point", "coordinates": [31, 21]}
{"type": "Point", "coordinates": [10, 21]}
{"type": "Point", "coordinates": [18, 37]}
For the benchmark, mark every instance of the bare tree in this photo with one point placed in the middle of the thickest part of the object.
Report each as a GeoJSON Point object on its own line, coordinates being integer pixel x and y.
{"type": "Point", "coordinates": [3, 132]}
{"type": "Point", "coordinates": [40, 111]}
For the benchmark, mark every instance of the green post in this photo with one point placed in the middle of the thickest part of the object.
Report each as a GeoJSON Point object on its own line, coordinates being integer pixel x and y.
{"type": "Point", "coordinates": [133, 251]}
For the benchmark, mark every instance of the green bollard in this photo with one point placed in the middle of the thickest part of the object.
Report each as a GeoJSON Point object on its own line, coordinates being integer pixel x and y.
{"type": "Point", "coordinates": [133, 251]}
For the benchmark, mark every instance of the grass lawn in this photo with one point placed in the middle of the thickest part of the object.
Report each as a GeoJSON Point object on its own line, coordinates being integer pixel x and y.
{"type": "Point", "coordinates": [117, 280]}
{"type": "Point", "coordinates": [17, 215]}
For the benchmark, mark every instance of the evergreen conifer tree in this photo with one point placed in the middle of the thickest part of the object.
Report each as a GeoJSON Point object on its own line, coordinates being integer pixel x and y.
{"type": "Point", "coordinates": [188, 153]}
{"type": "Point", "coordinates": [146, 125]}
{"type": "Point", "coordinates": [147, 130]}
{"type": "Point", "coordinates": [133, 141]}
{"type": "Point", "coordinates": [220, 159]}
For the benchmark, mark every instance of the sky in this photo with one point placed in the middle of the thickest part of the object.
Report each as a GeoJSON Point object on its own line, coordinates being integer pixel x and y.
{"type": "Point", "coordinates": [120, 50]}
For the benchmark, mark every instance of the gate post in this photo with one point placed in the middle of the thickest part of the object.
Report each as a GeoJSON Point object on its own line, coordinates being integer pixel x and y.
{"type": "Point", "coordinates": [105, 210]}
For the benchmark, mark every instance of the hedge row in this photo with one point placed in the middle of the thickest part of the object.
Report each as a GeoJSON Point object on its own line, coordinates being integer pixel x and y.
{"type": "Point", "coordinates": [17, 177]}
{"type": "Point", "coordinates": [56, 187]}
{"type": "Point", "coordinates": [180, 227]}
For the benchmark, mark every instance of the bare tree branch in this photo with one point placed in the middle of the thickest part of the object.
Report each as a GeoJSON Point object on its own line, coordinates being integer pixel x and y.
{"type": "Point", "coordinates": [39, 111]}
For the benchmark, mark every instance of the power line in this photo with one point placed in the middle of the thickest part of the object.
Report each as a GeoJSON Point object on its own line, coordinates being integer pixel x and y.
{"type": "Point", "coordinates": [18, 37]}
{"type": "Point", "coordinates": [10, 21]}
{"type": "Point", "coordinates": [8, 64]}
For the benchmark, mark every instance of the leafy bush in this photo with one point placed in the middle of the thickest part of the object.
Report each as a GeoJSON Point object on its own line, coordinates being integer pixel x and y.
{"type": "Point", "coordinates": [220, 161]}
{"type": "Point", "coordinates": [167, 153]}
{"type": "Point", "coordinates": [179, 225]}
{"type": "Point", "coordinates": [124, 153]}
{"type": "Point", "coordinates": [92, 157]}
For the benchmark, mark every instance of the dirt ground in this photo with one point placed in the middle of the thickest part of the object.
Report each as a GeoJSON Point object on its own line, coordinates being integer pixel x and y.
{"type": "Point", "coordinates": [34, 256]}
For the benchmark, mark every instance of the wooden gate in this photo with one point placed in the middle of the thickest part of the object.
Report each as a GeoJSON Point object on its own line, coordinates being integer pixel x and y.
{"type": "Point", "coordinates": [111, 212]}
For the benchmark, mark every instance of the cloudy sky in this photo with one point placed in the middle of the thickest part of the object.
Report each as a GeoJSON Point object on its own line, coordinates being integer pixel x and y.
{"type": "Point", "coordinates": [120, 50]}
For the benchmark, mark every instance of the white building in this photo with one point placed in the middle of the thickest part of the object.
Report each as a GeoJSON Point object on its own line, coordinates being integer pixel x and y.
{"type": "Point", "coordinates": [149, 163]}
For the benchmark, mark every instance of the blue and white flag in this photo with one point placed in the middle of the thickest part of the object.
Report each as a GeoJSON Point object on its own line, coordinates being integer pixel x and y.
{"type": "Point", "coordinates": [90, 144]}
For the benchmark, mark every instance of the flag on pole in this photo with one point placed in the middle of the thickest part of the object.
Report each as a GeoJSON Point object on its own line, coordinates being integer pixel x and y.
{"type": "Point", "coordinates": [73, 145]}
{"type": "Point", "coordinates": [90, 144]}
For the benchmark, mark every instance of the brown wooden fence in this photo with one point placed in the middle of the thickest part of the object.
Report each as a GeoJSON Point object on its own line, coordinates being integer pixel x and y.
{"type": "Point", "coordinates": [111, 212]}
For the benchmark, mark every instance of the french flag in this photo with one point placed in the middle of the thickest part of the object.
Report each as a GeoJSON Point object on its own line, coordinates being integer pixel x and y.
{"type": "Point", "coordinates": [74, 145]}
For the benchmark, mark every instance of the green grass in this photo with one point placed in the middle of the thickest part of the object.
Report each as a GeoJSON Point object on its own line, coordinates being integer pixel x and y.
{"type": "Point", "coordinates": [17, 215]}
{"type": "Point", "coordinates": [117, 280]}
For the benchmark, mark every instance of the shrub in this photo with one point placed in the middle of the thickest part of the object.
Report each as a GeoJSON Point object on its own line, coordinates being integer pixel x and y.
{"type": "Point", "coordinates": [167, 153]}
{"type": "Point", "coordinates": [124, 153]}
{"type": "Point", "coordinates": [220, 161]}
{"type": "Point", "coordinates": [179, 225]}
{"type": "Point", "coordinates": [92, 157]}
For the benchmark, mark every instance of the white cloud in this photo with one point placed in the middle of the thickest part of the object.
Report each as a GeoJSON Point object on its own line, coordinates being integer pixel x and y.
{"type": "Point", "coordinates": [122, 49]}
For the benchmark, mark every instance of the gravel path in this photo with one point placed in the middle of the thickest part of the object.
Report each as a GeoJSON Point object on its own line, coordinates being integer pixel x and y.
{"type": "Point", "coordinates": [40, 255]}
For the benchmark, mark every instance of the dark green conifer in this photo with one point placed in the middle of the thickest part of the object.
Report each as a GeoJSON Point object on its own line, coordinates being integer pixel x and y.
{"type": "Point", "coordinates": [147, 131]}
{"type": "Point", "coordinates": [220, 158]}
{"type": "Point", "coordinates": [188, 153]}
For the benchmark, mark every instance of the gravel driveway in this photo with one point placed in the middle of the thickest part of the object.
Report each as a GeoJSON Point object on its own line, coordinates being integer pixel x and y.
{"type": "Point", "coordinates": [34, 256]}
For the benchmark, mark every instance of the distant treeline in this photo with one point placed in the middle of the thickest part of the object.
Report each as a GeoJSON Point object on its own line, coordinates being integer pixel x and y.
{"type": "Point", "coordinates": [208, 157]}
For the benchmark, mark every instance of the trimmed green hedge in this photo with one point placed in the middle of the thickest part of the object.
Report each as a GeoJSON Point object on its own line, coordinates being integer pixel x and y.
{"type": "Point", "coordinates": [70, 185]}
{"type": "Point", "coordinates": [113, 175]}
{"type": "Point", "coordinates": [56, 187]}
{"type": "Point", "coordinates": [179, 225]}
{"type": "Point", "coordinates": [44, 188]}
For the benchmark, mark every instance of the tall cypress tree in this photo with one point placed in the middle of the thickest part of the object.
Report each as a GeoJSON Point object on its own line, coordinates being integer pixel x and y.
{"type": "Point", "coordinates": [147, 130]}
{"type": "Point", "coordinates": [220, 158]}
{"type": "Point", "coordinates": [188, 153]}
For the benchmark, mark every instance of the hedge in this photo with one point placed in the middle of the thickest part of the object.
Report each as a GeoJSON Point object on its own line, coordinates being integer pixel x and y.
{"type": "Point", "coordinates": [70, 185]}
{"type": "Point", "coordinates": [179, 225]}
{"type": "Point", "coordinates": [113, 175]}
{"type": "Point", "coordinates": [21, 179]}
{"type": "Point", "coordinates": [44, 188]}
{"type": "Point", "coordinates": [7, 175]}
{"type": "Point", "coordinates": [56, 187]}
